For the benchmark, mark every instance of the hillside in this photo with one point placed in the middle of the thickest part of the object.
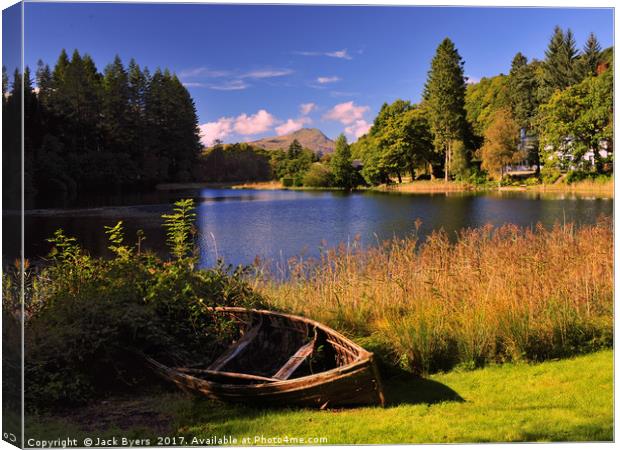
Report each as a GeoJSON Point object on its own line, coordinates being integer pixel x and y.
{"type": "Point", "coordinates": [311, 138]}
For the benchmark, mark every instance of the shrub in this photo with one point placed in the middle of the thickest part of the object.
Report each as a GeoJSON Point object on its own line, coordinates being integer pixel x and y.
{"type": "Point", "coordinates": [549, 174]}
{"type": "Point", "coordinates": [574, 176]}
{"type": "Point", "coordinates": [89, 317]}
{"type": "Point", "coordinates": [477, 177]}
{"type": "Point", "coordinates": [287, 181]}
{"type": "Point", "coordinates": [319, 175]}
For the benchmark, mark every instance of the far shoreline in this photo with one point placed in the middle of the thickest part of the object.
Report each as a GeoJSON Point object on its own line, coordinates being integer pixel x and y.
{"type": "Point", "coordinates": [605, 189]}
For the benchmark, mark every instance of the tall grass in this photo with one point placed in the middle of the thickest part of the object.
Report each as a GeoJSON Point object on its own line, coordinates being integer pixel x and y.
{"type": "Point", "coordinates": [491, 295]}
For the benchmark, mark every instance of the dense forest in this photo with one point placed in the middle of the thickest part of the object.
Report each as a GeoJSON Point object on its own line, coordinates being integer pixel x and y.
{"type": "Point", "coordinates": [86, 130]}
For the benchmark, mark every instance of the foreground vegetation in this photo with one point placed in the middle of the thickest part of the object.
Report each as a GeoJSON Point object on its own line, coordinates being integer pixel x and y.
{"type": "Point", "coordinates": [568, 400]}
{"type": "Point", "coordinates": [487, 296]}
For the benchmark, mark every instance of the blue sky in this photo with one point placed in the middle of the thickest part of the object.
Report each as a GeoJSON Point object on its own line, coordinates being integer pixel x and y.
{"type": "Point", "coordinates": [255, 71]}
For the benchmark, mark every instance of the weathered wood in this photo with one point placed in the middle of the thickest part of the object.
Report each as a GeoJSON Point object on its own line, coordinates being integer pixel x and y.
{"type": "Point", "coordinates": [353, 378]}
{"type": "Point", "coordinates": [218, 375]}
{"type": "Point", "coordinates": [237, 348]}
{"type": "Point", "coordinates": [296, 360]}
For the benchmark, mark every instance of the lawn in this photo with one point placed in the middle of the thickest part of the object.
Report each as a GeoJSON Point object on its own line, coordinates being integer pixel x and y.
{"type": "Point", "coordinates": [565, 400]}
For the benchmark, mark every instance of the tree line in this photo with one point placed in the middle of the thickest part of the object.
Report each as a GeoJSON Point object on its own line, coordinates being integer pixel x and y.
{"type": "Point", "coordinates": [294, 167]}
{"type": "Point", "coordinates": [87, 130]}
{"type": "Point", "coordinates": [549, 113]}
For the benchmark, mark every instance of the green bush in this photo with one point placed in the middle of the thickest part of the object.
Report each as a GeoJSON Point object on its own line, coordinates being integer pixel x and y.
{"type": "Point", "coordinates": [319, 175]}
{"type": "Point", "coordinates": [287, 181]}
{"type": "Point", "coordinates": [574, 176]}
{"type": "Point", "coordinates": [477, 177]}
{"type": "Point", "coordinates": [550, 174]}
{"type": "Point", "coordinates": [89, 317]}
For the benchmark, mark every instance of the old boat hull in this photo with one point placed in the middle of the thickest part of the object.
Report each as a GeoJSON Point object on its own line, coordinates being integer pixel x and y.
{"type": "Point", "coordinates": [353, 381]}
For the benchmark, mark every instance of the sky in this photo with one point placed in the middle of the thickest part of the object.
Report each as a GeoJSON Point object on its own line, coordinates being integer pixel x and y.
{"type": "Point", "coordinates": [256, 71]}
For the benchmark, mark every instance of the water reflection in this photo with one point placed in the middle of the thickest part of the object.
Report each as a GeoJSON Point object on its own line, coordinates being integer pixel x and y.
{"type": "Point", "coordinates": [276, 225]}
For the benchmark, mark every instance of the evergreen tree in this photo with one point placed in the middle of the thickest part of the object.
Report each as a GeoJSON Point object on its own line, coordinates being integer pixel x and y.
{"type": "Point", "coordinates": [294, 149]}
{"type": "Point", "coordinates": [444, 94]}
{"type": "Point", "coordinates": [560, 68]}
{"type": "Point", "coordinates": [88, 130]}
{"type": "Point", "coordinates": [44, 83]}
{"type": "Point", "coordinates": [116, 107]}
{"type": "Point", "coordinates": [590, 56]}
{"type": "Point", "coordinates": [5, 85]}
{"type": "Point", "coordinates": [522, 87]}
{"type": "Point", "coordinates": [342, 169]}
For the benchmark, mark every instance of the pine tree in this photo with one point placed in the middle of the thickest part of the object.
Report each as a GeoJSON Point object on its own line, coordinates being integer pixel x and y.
{"type": "Point", "coordinates": [116, 107]}
{"type": "Point", "coordinates": [590, 56]}
{"type": "Point", "coordinates": [444, 94]}
{"type": "Point", "coordinates": [522, 87]}
{"type": "Point", "coordinates": [44, 83]}
{"type": "Point", "coordinates": [560, 66]}
{"type": "Point", "coordinates": [5, 84]}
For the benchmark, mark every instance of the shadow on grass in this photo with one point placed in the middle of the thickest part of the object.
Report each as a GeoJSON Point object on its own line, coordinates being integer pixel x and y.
{"type": "Point", "coordinates": [407, 389]}
{"type": "Point", "coordinates": [585, 433]}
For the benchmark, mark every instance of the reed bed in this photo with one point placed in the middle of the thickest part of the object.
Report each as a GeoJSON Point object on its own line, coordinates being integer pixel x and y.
{"type": "Point", "coordinates": [426, 186]}
{"type": "Point", "coordinates": [490, 295]}
{"type": "Point", "coordinates": [596, 186]}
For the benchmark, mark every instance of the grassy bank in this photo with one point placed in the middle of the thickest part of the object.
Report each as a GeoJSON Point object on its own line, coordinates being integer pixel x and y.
{"type": "Point", "coordinates": [568, 400]}
{"type": "Point", "coordinates": [493, 295]}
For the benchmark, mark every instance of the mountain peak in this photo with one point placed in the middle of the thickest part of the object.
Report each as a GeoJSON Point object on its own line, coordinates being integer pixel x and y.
{"type": "Point", "coordinates": [311, 138]}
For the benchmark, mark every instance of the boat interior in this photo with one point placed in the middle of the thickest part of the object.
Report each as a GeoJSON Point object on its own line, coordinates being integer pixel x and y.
{"type": "Point", "coordinates": [274, 348]}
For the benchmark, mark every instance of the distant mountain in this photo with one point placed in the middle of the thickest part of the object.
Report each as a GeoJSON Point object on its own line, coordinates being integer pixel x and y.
{"type": "Point", "coordinates": [311, 138]}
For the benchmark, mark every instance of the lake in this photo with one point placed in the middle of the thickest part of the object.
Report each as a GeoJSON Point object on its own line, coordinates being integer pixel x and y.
{"type": "Point", "coordinates": [239, 225]}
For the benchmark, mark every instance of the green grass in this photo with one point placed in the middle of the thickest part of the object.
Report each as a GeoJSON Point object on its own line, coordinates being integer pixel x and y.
{"type": "Point", "coordinates": [566, 400]}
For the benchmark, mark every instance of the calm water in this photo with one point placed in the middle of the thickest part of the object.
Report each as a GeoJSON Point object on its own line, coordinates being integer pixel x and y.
{"type": "Point", "coordinates": [240, 225]}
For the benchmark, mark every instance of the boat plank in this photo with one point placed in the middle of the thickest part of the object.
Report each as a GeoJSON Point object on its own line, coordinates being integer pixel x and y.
{"type": "Point", "coordinates": [222, 375]}
{"type": "Point", "coordinates": [296, 360]}
{"type": "Point", "coordinates": [237, 348]}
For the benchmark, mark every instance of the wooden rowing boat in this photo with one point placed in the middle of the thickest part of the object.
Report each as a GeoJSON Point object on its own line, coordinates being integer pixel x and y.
{"type": "Point", "coordinates": [281, 359]}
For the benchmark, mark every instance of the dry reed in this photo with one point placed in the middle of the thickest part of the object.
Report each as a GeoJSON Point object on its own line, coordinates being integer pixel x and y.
{"type": "Point", "coordinates": [491, 295]}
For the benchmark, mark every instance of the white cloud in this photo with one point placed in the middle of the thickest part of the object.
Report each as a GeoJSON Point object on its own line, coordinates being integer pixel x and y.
{"type": "Point", "coordinates": [292, 125]}
{"type": "Point", "coordinates": [346, 113]}
{"type": "Point", "coordinates": [254, 124]}
{"type": "Point", "coordinates": [267, 73]}
{"type": "Point", "coordinates": [307, 108]}
{"type": "Point", "coordinates": [192, 84]}
{"type": "Point", "coordinates": [343, 94]}
{"type": "Point", "coordinates": [341, 54]}
{"type": "Point", "coordinates": [203, 72]}
{"type": "Point", "coordinates": [233, 85]}
{"type": "Point", "coordinates": [243, 124]}
{"type": "Point", "coordinates": [325, 80]}
{"type": "Point", "coordinates": [358, 128]}
{"type": "Point", "coordinates": [211, 131]}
